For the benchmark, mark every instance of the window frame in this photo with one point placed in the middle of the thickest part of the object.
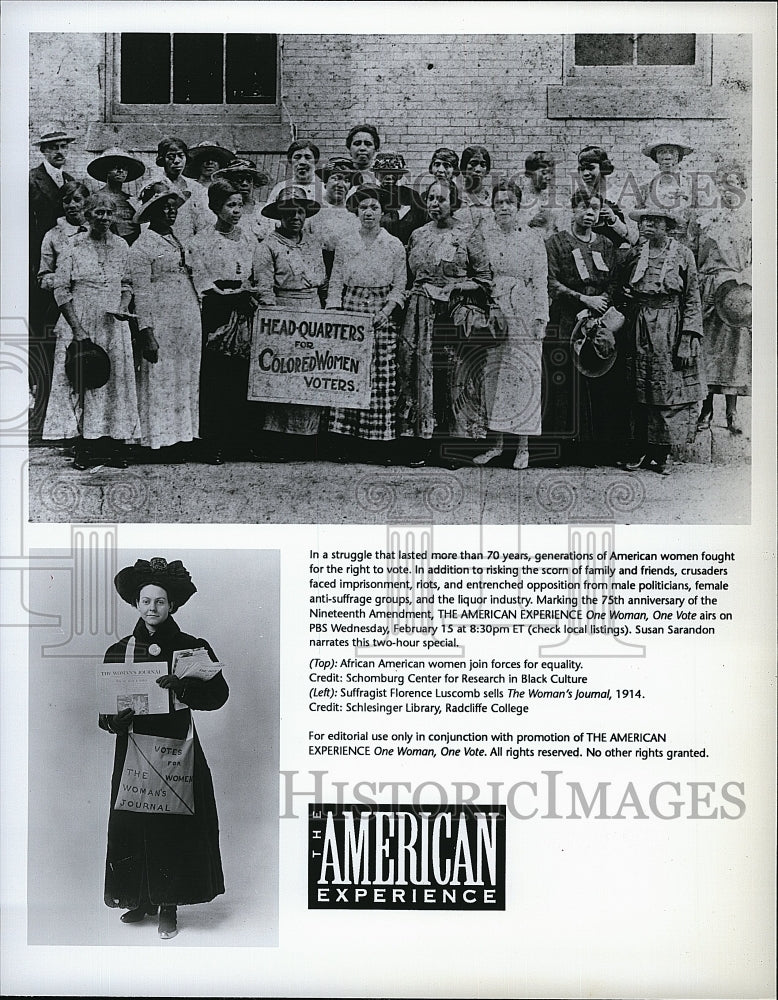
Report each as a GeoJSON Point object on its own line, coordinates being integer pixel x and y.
{"type": "Point", "coordinates": [116, 111]}
{"type": "Point", "coordinates": [700, 72]}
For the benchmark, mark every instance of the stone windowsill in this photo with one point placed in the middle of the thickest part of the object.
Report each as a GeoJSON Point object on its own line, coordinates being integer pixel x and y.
{"type": "Point", "coordinates": [587, 100]}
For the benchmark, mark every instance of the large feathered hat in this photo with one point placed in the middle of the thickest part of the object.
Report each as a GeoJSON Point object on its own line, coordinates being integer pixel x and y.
{"type": "Point", "coordinates": [172, 577]}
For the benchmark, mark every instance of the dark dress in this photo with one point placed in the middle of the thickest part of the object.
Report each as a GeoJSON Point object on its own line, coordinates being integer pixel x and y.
{"type": "Point", "coordinates": [659, 292]}
{"type": "Point", "coordinates": [44, 210]}
{"type": "Point", "coordinates": [578, 408]}
{"type": "Point", "coordinates": [165, 859]}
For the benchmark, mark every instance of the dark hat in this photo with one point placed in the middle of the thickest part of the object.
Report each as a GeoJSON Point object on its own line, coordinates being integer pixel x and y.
{"type": "Point", "coordinates": [172, 577]}
{"type": "Point", "coordinates": [243, 166]}
{"type": "Point", "coordinates": [654, 211]}
{"type": "Point", "coordinates": [537, 159]}
{"type": "Point", "coordinates": [291, 196]}
{"type": "Point", "coordinates": [206, 150]}
{"type": "Point", "coordinates": [363, 191]}
{"type": "Point", "coordinates": [733, 303]}
{"type": "Point", "coordinates": [115, 157]}
{"type": "Point", "coordinates": [389, 162]}
{"type": "Point", "coordinates": [154, 193]}
{"type": "Point", "coordinates": [594, 343]}
{"type": "Point", "coordinates": [335, 165]}
{"type": "Point", "coordinates": [87, 366]}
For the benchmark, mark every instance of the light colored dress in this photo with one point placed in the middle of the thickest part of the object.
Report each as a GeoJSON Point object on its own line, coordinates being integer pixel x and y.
{"type": "Point", "coordinates": [512, 381]}
{"type": "Point", "coordinates": [54, 242]}
{"type": "Point", "coordinates": [289, 273]}
{"type": "Point", "coordinates": [92, 274]}
{"type": "Point", "coordinates": [165, 300]}
{"type": "Point", "coordinates": [539, 209]}
{"type": "Point", "coordinates": [365, 277]}
{"type": "Point", "coordinates": [331, 224]}
{"type": "Point", "coordinates": [725, 254]}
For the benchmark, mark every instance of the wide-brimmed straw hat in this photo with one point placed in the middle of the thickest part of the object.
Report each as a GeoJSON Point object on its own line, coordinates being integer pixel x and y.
{"type": "Point", "coordinates": [593, 340]}
{"type": "Point", "coordinates": [206, 150]}
{"type": "Point", "coordinates": [115, 157]}
{"type": "Point", "coordinates": [172, 577]}
{"type": "Point", "coordinates": [243, 166]}
{"type": "Point", "coordinates": [672, 140]}
{"type": "Point", "coordinates": [654, 211]}
{"type": "Point", "coordinates": [154, 193]}
{"type": "Point", "coordinates": [732, 302]}
{"type": "Point", "coordinates": [51, 134]}
{"type": "Point", "coordinates": [336, 165]}
{"type": "Point", "coordinates": [292, 196]}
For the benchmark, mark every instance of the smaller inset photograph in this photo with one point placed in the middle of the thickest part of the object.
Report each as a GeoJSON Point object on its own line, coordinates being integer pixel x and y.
{"type": "Point", "coordinates": [153, 746]}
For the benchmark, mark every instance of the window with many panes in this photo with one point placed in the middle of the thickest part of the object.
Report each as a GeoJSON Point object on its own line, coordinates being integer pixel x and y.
{"type": "Point", "coordinates": [624, 58]}
{"type": "Point", "coordinates": [185, 75]}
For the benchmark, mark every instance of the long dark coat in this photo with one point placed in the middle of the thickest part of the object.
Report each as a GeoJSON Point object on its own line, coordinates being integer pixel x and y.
{"type": "Point", "coordinates": [165, 859]}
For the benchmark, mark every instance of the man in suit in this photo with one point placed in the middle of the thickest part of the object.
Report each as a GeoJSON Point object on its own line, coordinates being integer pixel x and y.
{"type": "Point", "coordinates": [46, 180]}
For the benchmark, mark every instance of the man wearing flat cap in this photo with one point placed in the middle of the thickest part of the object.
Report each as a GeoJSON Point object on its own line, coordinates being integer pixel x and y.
{"type": "Point", "coordinates": [46, 181]}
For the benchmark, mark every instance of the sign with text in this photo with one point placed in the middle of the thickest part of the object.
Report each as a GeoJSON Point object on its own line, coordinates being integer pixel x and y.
{"type": "Point", "coordinates": [314, 357]}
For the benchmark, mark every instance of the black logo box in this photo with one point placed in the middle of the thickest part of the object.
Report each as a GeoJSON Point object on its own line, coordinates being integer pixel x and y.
{"type": "Point", "coordinates": [406, 857]}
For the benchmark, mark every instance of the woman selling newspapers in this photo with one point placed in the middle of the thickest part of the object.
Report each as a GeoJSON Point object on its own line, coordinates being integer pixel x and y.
{"type": "Point", "coordinates": [163, 830]}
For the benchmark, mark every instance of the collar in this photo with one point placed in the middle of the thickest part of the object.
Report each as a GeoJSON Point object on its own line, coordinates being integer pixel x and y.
{"type": "Point", "coordinates": [54, 173]}
{"type": "Point", "coordinates": [164, 636]}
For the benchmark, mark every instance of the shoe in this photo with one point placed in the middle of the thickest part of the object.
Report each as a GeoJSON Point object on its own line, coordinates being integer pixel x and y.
{"type": "Point", "coordinates": [215, 457]}
{"type": "Point", "coordinates": [639, 463]}
{"type": "Point", "coordinates": [703, 423]}
{"type": "Point", "coordinates": [138, 914]}
{"type": "Point", "coordinates": [118, 462]}
{"type": "Point", "coordinates": [487, 456]}
{"type": "Point", "coordinates": [417, 463]}
{"type": "Point", "coordinates": [82, 462]}
{"type": "Point", "coordinates": [521, 461]}
{"type": "Point", "coordinates": [660, 468]}
{"type": "Point", "coordinates": [733, 426]}
{"type": "Point", "coordinates": [168, 924]}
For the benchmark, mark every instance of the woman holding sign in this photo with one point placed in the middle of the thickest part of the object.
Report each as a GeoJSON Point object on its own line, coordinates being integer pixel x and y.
{"type": "Point", "coordinates": [290, 269]}
{"type": "Point", "coordinates": [163, 836]}
{"type": "Point", "coordinates": [223, 260]}
{"type": "Point", "coordinates": [369, 275]}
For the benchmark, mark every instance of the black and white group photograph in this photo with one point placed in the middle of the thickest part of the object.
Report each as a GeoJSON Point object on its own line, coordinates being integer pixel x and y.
{"type": "Point", "coordinates": [271, 275]}
{"type": "Point", "coordinates": [154, 748]}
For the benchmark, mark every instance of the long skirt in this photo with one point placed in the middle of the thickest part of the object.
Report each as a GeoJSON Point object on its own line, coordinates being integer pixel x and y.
{"type": "Point", "coordinates": [166, 860]}
{"type": "Point", "coordinates": [168, 390]}
{"type": "Point", "coordinates": [294, 418]}
{"type": "Point", "coordinates": [440, 375]}
{"type": "Point", "coordinates": [512, 379]}
{"type": "Point", "coordinates": [727, 351]}
{"type": "Point", "coordinates": [112, 410]}
{"type": "Point", "coordinates": [227, 417]}
{"type": "Point", "coordinates": [379, 421]}
{"type": "Point", "coordinates": [666, 393]}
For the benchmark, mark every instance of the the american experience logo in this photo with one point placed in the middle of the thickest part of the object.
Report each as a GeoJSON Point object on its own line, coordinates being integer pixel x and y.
{"type": "Point", "coordinates": [406, 857]}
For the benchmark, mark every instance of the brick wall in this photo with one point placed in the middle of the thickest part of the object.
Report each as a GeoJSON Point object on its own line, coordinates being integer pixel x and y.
{"type": "Point", "coordinates": [422, 91]}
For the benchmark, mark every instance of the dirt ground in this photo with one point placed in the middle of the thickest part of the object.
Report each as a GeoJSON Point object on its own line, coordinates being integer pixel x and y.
{"type": "Point", "coordinates": [713, 488]}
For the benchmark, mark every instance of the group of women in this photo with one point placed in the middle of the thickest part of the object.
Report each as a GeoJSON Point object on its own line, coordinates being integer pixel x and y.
{"type": "Point", "coordinates": [497, 313]}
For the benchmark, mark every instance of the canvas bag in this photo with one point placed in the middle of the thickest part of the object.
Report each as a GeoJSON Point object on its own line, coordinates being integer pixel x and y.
{"type": "Point", "coordinates": [157, 774]}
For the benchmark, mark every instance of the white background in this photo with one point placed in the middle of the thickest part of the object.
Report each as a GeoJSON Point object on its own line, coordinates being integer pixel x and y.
{"type": "Point", "coordinates": [594, 908]}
